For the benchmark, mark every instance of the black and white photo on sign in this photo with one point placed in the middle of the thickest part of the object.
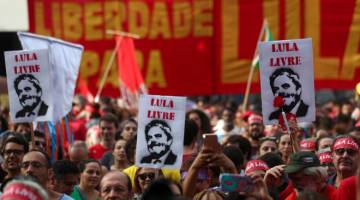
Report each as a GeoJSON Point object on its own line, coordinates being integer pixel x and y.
{"type": "Point", "coordinates": [160, 131]}
{"type": "Point", "coordinates": [29, 86]}
{"type": "Point", "coordinates": [286, 70]}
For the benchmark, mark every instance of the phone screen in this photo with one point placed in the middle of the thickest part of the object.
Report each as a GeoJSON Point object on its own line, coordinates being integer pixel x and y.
{"type": "Point", "coordinates": [236, 183]}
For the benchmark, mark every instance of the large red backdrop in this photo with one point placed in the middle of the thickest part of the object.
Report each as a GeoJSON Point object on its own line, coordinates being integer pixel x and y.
{"type": "Point", "coordinates": [203, 47]}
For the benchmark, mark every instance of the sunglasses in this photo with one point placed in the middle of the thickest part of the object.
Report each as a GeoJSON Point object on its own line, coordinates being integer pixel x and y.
{"type": "Point", "coordinates": [143, 176]}
{"type": "Point", "coordinates": [350, 152]}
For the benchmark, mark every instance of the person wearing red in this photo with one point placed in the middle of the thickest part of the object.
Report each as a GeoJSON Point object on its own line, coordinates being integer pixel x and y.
{"type": "Point", "coordinates": [345, 157]}
{"type": "Point", "coordinates": [108, 127]}
{"type": "Point", "coordinates": [306, 174]}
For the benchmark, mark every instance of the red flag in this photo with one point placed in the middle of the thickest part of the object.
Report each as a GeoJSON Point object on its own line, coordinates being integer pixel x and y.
{"type": "Point", "coordinates": [129, 71]}
{"type": "Point", "coordinates": [132, 82]}
{"type": "Point", "coordinates": [83, 89]}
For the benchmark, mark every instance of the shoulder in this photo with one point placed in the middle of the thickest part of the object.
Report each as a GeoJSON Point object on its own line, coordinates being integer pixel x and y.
{"type": "Point", "coordinates": [65, 197]}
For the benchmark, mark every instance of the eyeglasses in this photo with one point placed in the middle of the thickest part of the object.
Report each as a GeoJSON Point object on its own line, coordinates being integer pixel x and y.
{"type": "Point", "coordinates": [34, 164]}
{"type": "Point", "coordinates": [16, 152]}
{"type": "Point", "coordinates": [130, 128]}
{"type": "Point", "coordinates": [350, 152]}
{"type": "Point", "coordinates": [143, 176]}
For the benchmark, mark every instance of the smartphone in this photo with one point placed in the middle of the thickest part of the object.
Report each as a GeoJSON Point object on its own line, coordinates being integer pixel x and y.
{"type": "Point", "coordinates": [211, 142]}
{"type": "Point", "coordinates": [236, 183]}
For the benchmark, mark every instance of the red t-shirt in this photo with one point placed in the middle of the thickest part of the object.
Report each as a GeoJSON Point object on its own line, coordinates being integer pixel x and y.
{"type": "Point", "coordinates": [97, 151]}
{"type": "Point", "coordinates": [330, 192]}
{"type": "Point", "coordinates": [347, 189]}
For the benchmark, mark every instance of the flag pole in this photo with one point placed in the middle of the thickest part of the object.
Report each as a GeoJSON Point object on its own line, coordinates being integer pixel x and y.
{"type": "Point", "coordinates": [111, 61]}
{"type": "Point", "coordinates": [252, 68]}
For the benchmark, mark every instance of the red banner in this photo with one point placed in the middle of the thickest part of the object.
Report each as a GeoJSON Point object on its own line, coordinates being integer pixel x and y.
{"type": "Point", "coordinates": [203, 47]}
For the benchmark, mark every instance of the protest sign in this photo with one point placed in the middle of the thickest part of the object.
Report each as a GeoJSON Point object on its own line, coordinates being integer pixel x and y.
{"type": "Point", "coordinates": [286, 70]}
{"type": "Point", "coordinates": [29, 85]}
{"type": "Point", "coordinates": [160, 133]}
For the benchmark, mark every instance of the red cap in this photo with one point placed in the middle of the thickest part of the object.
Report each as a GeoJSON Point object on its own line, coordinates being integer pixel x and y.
{"type": "Point", "coordinates": [254, 165]}
{"type": "Point", "coordinates": [346, 142]}
{"type": "Point", "coordinates": [307, 145]}
{"type": "Point", "coordinates": [255, 119]}
{"type": "Point", "coordinates": [20, 192]}
{"type": "Point", "coordinates": [325, 157]}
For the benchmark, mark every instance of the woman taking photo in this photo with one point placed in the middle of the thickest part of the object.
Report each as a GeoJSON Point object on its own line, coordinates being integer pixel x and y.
{"type": "Point", "coordinates": [90, 175]}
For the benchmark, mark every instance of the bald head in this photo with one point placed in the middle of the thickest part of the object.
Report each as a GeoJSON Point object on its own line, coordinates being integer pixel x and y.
{"type": "Point", "coordinates": [115, 185]}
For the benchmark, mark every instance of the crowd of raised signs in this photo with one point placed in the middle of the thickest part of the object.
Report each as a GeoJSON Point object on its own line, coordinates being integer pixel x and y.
{"type": "Point", "coordinates": [254, 161]}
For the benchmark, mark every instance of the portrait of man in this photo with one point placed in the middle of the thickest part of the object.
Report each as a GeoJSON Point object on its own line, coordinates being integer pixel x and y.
{"type": "Point", "coordinates": [159, 140]}
{"type": "Point", "coordinates": [29, 91]}
{"type": "Point", "coordinates": [286, 83]}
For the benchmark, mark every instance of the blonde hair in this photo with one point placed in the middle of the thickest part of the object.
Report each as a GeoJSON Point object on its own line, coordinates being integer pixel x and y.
{"type": "Point", "coordinates": [206, 193]}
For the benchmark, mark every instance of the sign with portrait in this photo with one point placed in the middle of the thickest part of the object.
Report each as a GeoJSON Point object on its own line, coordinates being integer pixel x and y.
{"type": "Point", "coordinates": [286, 70]}
{"type": "Point", "coordinates": [29, 85]}
{"type": "Point", "coordinates": [160, 133]}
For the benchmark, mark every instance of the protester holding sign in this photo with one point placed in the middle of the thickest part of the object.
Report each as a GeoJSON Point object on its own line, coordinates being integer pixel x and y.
{"type": "Point", "coordinates": [161, 131]}
{"type": "Point", "coordinates": [29, 85]}
{"type": "Point", "coordinates": [287, 72]}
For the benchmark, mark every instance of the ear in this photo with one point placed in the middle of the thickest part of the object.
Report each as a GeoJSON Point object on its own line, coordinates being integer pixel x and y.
{"type": "Point", "coordinates": [51, 176]}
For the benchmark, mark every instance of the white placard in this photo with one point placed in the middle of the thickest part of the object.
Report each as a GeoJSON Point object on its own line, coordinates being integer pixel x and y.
{"type": "Point", "coordinates": [286, 69]}
{"type": "Point", "coordinates": [160, 133]}
{"type": "Point", "coordinates": [29, 85]}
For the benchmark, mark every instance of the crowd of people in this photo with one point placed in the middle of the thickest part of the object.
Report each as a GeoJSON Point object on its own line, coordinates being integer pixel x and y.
{"type": "Point", "coordinates": [317, 160]}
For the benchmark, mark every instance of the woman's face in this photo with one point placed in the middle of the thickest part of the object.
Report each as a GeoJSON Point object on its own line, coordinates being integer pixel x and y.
{"type": "Point", "coordinates": [145, 177]}
{"type": "Point", "coordinates": [285, 145]}
{"type": "Point", "coordinates": [195, 117]}
{"type": "Point", "coordinates": [266, 147]}
{"type": "Point", "coordinates": [90, 177]}
{"type": "Point", "coordinates": [119, 150]}
{"type": "Point", "coordinates": [129, 131]}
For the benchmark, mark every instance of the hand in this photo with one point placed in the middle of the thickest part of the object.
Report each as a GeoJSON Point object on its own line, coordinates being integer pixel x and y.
{"type": "Point", "coordinates": [222, 161]}
{"type": "Point", "coordinates": [260, 189]}
{"type": "Point", "coordinates": [202, 159]}
{"type": "Point", "coordinates": [274, 176]}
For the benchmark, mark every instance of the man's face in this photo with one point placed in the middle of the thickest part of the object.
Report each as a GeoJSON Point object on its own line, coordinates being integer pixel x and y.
{"type": "Point", "coordinates": [157, 141]}
{"type": "Point", "coordinates": [256, 130]}
{"type": "Point", "coordinates": [284, 87]}
{"type": "Point", "coordinates": [107, 131]}
{"type": "Point", "coordinates": [228, 116]}
{"type": "Point", "coordinates": [303, 182]}
{"type": "Point", "coordinates": [40, 144]}
{"type": "Point", "coordinates": [345, 160]}
{"type": "Point", "coordinates": [13, 155]}
{"type": "Point", "coordinates": [34, 164]}
{"type": "Point", "coordinates": [28, 95]}
{"type": "Point", "coordinates": [114, 187]}
{"type": "Point", "coordinates": [67, 183]}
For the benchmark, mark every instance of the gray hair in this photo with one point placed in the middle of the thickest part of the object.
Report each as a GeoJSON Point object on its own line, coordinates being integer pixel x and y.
{"type": "Point", "coordinates": [318, 172]}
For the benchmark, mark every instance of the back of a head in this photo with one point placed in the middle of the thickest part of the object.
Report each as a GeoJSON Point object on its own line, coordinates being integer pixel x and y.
{"type": "Point", "coordinates": [159, 189]}
{"type": "Point", "coordinates": [235, 155]}
{"type": "Point", "coordinates": [64, 167]}
{"type": "Point", "coordinates": [272, 159]}
{"type": "Point", "coordinates": [242, 143]}
{"type": "Point", "coordinates": [191, 131]}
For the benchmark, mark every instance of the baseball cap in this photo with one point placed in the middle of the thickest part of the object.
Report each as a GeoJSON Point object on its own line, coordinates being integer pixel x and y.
{"type": "Point", "coordinates": [302, 160]}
